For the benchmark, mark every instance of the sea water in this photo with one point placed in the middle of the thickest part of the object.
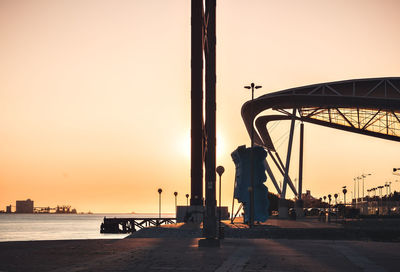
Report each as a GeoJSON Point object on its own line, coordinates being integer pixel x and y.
{"type": "Point", "coordinates": [33, 227]}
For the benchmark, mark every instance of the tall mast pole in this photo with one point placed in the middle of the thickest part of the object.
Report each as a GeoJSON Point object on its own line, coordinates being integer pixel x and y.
{"type": "Point", "coordinates": [196, 162]}
{"type": "Point", "coordinates": [210, 223]}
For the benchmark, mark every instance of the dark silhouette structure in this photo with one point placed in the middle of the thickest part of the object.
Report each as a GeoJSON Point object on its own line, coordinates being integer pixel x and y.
{"type": "Point", "coordinates": [251, 188]}
{"type": "Point", "coordinates": [129, 225]}
{"type": "Point", "coordinates": [24, 206]}
{"type": "Point", "coordinates": [203, 136]}
{"type": "Point", "coordinates": [365, 106]}
{"type": "Point", "coordinates": [197, 123]}
{"type": "Point", "coordinates": [251, 160]}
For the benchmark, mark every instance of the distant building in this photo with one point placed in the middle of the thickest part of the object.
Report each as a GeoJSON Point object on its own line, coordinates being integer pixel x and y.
{"type": "Point", "coordinates": [24, 206]}
{"type": "Point", "coordinates": [307, 196]}
{"type": "Point", "coordinates": [8, 209]}
{"type": "Point", "coordinates": [309, 200]}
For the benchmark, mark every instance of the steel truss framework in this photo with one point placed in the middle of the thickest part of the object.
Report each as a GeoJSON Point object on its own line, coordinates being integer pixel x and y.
{"type": "Point", "coordinates": [365, 106]}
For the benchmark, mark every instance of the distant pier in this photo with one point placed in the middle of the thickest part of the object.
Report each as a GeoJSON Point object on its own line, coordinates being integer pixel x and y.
{"type": "Point", "coordinates": [129, 225]}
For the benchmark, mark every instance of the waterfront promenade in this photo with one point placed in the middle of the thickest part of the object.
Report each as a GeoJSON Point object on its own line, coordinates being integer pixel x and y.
{"type": "Point", "coordinates": [182, 253]}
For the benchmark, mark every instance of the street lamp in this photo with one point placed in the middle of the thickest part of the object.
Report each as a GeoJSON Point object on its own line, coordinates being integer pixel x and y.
{"type": "Point", "coordinates": [336, 210]}
{"type": "Point", "coordinates": [344, 195]}
{"type": "Point", "coordinates": [176, 210]}
{"type": "Point", "coordinates": [220, 170]}
{"type": "Point", "coordinates": [380, 193]}
{"type": "Point", "coordinates": [329, 208]}
{"type": "Point", "coordinates": [363, 177]}
{"type": "Point", "coordinates": [187, 200]}
{"type": "Point", "coordinates": [358, 188]}
{"type": "Point", "coordinates": [159, 202]}
{"type": "Point", "coordinates": [344, 198]}
{"type": "Point", "coordinates": [187, 206]}
{"type": "Point", "coordinates": [387, 189]}
{"type": "Point", "coordinates": [380, 190]}
{"type": "Point", "coordinates": [354, 194]}
{"type": "Point", "coordinates": [251, 189]}
{"type": "Point", "coordinates": [374, 190]}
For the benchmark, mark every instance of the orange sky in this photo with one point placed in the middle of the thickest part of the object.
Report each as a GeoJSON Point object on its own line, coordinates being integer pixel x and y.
{"type": "Point", "coordinates": [95, 95]}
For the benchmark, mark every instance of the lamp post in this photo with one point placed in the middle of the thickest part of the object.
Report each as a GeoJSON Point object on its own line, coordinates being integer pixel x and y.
{"type": "Point", "coordinates": [374, 199]}
{"type": "Point", "coordinates": [363, 177]}
{"type": "Point", "coordinates": [336, 210]}
{"type": "Point", "coordinates": [387, 189]}
{"type": "Point", "coordinates": [251, 189]}
{"type": "Point", "coordinates": [187, 208]}
{"type": "Point", "coordinates": [380, 191]}
{"type": "Point", "coordinates": [159, 202]}
{"type": "Point", "coordinates": [176, 211]}
{"type": "Point", "coordinates": [380, 195]}
{"type": "Point", "coordinates": [344, 197]}
{"type": "Point", "coordinates": [329, 198]}
{"type": "Point", "coordinates": [387, 197]}
{"type": "Point", "coordinates": [329, 208]}
{"type": "Point", "coordinates": [220, 170]}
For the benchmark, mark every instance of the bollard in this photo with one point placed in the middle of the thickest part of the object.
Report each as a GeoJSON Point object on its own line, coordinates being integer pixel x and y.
{"type": "Point", "coordinates": [221, 232]}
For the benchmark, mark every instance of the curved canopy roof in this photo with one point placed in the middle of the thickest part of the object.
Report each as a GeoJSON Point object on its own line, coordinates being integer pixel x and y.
{"type": "Point", "coordinates": [366, 106]}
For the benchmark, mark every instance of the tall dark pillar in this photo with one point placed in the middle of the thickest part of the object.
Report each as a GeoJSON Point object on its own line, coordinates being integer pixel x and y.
{"type": "Point", "coordinates": [210, 228]}
{"type": "Point", "coordinates": [301, 160]}
{"type": "Point", "coordinates": [299, 204]}
{"type": "Point", "coordinates": [196, 172]}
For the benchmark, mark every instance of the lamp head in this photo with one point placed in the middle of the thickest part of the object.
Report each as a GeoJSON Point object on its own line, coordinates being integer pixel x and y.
{"type": "Point", "coordinates": [220, 170]}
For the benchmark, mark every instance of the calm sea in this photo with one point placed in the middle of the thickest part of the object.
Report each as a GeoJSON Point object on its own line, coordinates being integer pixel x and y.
{"type": "Point", "coordinates": [30, 227]}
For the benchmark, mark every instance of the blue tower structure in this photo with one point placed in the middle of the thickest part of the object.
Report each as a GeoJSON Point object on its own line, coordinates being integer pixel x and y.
{"type": "Point", "coordinates": [242, 159]}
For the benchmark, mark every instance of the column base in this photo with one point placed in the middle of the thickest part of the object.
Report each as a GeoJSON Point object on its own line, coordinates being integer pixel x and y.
{"type": "Point", "coordinates": [299, 208]}
{"type": "Point", "coordinates": [283, 209]}
{"type": "Point", "coordinates": [209, 242]}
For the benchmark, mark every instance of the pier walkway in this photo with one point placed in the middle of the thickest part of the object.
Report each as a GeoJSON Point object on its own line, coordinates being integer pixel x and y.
{"type": "Point", "coordinates": [129, 225]}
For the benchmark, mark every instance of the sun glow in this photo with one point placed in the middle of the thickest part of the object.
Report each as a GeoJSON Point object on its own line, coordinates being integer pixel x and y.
{"type": "Point", "coordinates": [184, 146]}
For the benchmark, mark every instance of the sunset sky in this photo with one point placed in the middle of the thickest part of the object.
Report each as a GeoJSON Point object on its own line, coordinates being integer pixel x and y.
{"type": "Point", "coordinates": [95, 94]}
